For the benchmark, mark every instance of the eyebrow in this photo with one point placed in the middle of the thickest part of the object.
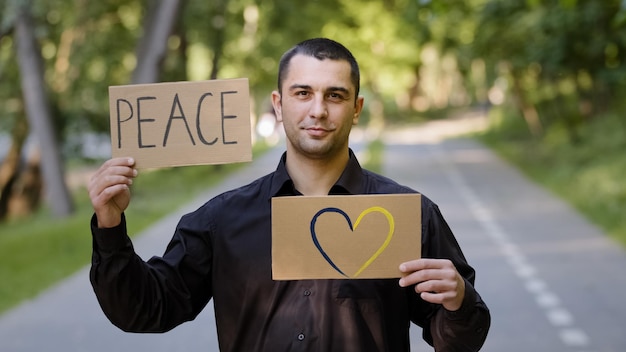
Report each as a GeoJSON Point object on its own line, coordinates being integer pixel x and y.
{"type": "Point", "coordinates": [329, 89]}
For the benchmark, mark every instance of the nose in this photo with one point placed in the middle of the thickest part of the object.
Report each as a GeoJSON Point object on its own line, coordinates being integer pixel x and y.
{"type": "Point", "coordinates": [318, 107]}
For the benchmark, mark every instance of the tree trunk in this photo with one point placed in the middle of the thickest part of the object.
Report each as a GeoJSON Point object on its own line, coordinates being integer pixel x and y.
{"type": "Point", "coordinates": [39, 115]}
{"type": "Point", "coordinates": [528, 110]}
{"type": "Point", "coordinates": [219, 30]}
{"type": "Point", "coordinates": [152, 48]}
{"type": "Point", "coordinates": [10, 167]}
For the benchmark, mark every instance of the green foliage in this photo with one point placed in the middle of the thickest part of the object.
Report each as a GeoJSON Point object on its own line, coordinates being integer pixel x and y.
{"type": "Point", "coordinates": [558, 49]}
{"type": "Point", "coordinates": [566, 58]}
{"type": "Point", "coordinates": [589, 174]}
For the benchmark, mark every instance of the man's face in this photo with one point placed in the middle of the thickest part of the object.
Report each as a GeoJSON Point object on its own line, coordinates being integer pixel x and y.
{"type": "Point", "coordinates": [317, 106]}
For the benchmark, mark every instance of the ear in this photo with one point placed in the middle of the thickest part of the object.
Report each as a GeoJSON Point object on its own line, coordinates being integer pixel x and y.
{"type": "Point", "coordinates": [278, 107]}
{"type": "Point", "coordinates": [358, 107]}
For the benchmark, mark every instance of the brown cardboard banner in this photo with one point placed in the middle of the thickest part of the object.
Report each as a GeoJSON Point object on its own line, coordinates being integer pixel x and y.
{"type": "Point", "coordinates": [181, 123]}
{"type": "Point", "coordinates": [339, 237]}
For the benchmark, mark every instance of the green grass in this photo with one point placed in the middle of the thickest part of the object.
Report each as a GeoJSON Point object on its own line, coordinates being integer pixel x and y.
{"type": "Point", "coordinates": [38, 251]}
{"type": "Point", "coordinates": [588, 173]}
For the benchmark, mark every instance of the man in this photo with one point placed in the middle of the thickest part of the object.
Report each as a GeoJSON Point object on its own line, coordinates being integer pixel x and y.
{"type": "Point", "coordinates": [222, 251]}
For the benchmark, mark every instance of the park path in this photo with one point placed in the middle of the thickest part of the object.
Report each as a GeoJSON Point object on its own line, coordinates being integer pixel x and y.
{"type": "Point", "coordinates": [552, 280]}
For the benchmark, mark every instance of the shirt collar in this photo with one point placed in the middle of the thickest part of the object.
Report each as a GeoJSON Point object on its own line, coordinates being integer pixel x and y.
{"type": "Point", "coordinates": [350, 182]}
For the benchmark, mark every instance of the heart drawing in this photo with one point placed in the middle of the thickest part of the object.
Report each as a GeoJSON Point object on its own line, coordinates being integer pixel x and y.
{"type": "Point", "coordinates": [353, 228]}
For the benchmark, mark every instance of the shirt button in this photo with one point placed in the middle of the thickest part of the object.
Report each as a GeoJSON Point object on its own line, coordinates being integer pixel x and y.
{"type": "Point", "coordinates": [307, 292]}
{"type": "Point", "coordinates": [300, 337]}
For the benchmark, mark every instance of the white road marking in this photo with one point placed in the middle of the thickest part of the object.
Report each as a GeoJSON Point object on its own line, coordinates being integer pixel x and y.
{"type": "Point", "coordinates": [560, 317]}
{"type": "Point", "coordinates": [574, 337]}
{"type": "Point", "coordinates": [556, 314]}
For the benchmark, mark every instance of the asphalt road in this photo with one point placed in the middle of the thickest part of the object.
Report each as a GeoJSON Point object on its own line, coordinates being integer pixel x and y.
{"type": "Point", "coordinates": [553, 281]}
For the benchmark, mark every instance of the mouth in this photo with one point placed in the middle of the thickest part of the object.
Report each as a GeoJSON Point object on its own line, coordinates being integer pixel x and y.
{"type": "Point", "coordinates": [317, 131]}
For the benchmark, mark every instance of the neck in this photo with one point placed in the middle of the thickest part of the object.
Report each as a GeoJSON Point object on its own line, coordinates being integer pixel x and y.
{"type": "Point", "coordinates": [315, 177]}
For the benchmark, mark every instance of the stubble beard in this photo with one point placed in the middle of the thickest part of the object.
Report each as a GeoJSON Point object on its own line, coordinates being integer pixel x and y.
{"type": "Point", "coordinates": [322, 148]}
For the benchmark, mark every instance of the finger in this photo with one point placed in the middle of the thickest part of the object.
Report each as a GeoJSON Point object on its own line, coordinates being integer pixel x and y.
{"type": "Point", "coordinates": [424, 275]}
{"type": "Point", "coordinates": [423, 263]}
{"type": "Point", "coordinates": [436, 285]}
{"type": "Point", "coordinates": [107, 185]}
{"type": "Point", "coordinates": [107, 194]}
{"type": "Point", "coordinates": [427, 269]}
{"type": "Point", "coordinates": [110, 172]}
{"type": "Point", "coordinates": [129, 162]}
{"type": "Point", "coordinates": [114, 162]}
{"type": "Point", "coordinates": [450, 295]}
{"type": "Point", "coordinates": [123, 161]}
{"type": "Point", "coordinates": [99, 184]}
{"type": "Point", "coordinates": [437, 297]}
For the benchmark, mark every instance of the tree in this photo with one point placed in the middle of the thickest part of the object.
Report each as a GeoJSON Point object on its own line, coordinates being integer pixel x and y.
{"type": "Point", "coordinates": [10, 169]}
{"type": "Point", "coordinates": [151, 50]}
{"type": "Point", "coordinates": [39, 114]}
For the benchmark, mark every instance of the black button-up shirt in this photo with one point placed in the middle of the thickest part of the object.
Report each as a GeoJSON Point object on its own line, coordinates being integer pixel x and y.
{"type": "Point", "coordinates": [223, 251]}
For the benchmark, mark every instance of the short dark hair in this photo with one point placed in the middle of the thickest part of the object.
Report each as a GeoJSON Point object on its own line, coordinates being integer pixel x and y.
{"type": "Point", "coordinates": [320, 48]}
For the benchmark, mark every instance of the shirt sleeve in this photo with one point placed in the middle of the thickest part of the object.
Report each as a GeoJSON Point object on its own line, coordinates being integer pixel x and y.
{"type": "Point", "coordinates": [465, 329]}
{"type": "Point", "coordinates": [140, 296]}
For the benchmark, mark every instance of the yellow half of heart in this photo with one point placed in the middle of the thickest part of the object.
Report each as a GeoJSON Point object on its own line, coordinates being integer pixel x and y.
{"type": "Point", "coordinates": [387, 240]}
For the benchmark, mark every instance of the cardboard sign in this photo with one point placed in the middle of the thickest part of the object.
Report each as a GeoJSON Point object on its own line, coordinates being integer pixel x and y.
{"type": "Point", "coordinates": [339, 237]}
{"type": "Point", "coordinates": [181, 123]}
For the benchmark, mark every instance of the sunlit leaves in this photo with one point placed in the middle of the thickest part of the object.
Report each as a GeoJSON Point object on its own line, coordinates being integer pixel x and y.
{"type": "Point", "coordinates": [90, 45]}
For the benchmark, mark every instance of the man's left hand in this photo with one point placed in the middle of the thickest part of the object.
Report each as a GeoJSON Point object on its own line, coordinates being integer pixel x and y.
{"type": "Point", "coordinates": [436, 280]}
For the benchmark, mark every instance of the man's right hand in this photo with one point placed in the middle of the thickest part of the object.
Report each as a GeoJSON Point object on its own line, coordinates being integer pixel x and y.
{"type": "Point", "coordinates": [109, 190]}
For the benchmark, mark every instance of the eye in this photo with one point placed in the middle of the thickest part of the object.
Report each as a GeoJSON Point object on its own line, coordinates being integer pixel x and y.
{"type": "Point", "coordinates": [335, 96]}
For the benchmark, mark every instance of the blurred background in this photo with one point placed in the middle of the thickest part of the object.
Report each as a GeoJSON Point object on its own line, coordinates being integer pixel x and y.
{"type": "Point", "coordinates": [549, 77]}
